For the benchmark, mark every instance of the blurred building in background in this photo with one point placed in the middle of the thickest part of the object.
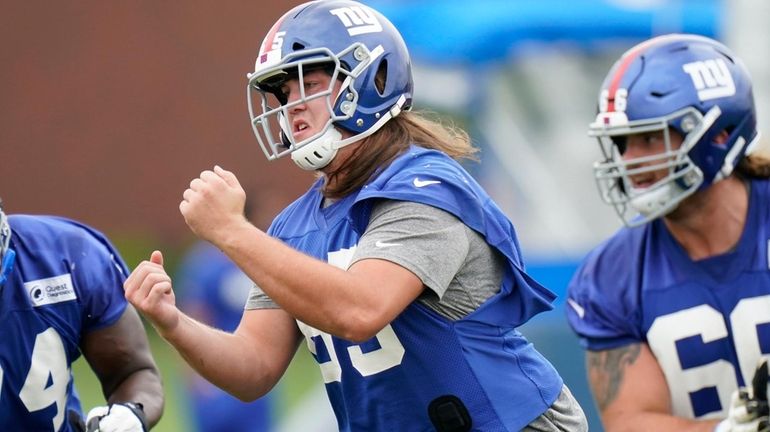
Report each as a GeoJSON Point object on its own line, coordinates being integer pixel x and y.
{"type": "Point", "coordinates": [109, 109]}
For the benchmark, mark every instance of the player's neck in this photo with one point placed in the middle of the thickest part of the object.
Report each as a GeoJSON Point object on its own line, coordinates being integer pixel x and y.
{"type": "Point", "coordinates": [711, 222]}
{"type": "Point", "coordinates": [339, 160]}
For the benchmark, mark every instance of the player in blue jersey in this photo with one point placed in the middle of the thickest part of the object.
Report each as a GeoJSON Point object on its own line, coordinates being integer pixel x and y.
{"type": "Point", "coordinates": [402, 274]}
{"type": "Point", "coordinates": [214, 290]}
{"type": "Point", "coordinates": [674, 309]}
{"type": "Point", "coordinates": [61, 288]}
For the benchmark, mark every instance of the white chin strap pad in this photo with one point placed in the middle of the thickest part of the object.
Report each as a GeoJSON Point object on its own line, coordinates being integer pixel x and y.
{"type": "Point", "coordinates": [318, 153]}
{"type": "Point", "coordinates": [650, 203]}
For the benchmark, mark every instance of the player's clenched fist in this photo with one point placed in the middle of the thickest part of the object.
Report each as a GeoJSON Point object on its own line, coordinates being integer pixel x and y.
{"type": "Point", "coordinates": [213, 203]}
{"type": "Point", "coordinates": [149, 289]}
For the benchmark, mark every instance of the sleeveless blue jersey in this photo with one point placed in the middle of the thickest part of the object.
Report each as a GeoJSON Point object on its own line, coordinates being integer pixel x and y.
{"type": "Point", "coordinates": [388, 382]}
{"type": "Point", "coordinates": [707, 322]}
{"type": "Point", "coordinates": [67, 280]}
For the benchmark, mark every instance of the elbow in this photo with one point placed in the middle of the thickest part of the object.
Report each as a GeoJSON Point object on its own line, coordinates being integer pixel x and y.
{"type": "Point", "coordinates": [357, 336]}
{"type": "Point", "coordinates": [245, 396]}
{"type": "Point", "coordinates": [253, 384]}
{"type": "Point", "coordinates": [361, 327]}
{"type": "Point", "coordinates": [248, 393]}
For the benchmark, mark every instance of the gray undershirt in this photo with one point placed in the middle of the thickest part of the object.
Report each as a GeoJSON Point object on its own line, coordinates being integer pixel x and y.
{"type": "Point", "coordinates": [456, 265]}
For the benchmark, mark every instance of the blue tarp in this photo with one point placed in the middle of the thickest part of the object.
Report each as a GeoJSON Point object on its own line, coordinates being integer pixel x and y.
{"type": "Point", "coordinates": [481, 31]}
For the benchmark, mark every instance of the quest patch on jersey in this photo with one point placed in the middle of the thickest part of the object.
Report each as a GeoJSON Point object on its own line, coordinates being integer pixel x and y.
{"type": "Point", "coordinates": [51, 290]}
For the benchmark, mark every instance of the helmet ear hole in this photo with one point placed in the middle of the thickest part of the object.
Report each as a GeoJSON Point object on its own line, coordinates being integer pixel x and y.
{"type": "Point", "coordinates": [381, 78]}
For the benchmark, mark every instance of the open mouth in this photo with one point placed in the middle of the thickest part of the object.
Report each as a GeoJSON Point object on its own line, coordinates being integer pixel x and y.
{"type": "Point", "coordinates": [643, 182]}
{"type": "Point", "coordinates": [300, 128]}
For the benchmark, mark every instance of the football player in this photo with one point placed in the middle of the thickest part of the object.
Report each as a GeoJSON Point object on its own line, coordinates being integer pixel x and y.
{"type": "Point", "coordinates": [404, 277]}
{"type": "Point", "coordinates": [674, 309]}
{"type": "Point", "coordinates": [61, 288]}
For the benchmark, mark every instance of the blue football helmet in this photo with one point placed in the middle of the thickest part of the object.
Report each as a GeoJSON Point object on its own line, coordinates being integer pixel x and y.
{"type": "Point", "coordinates": [691, 84]}
{"type": "Point", "coordinates": [353, 43]}
{"type": "Point", "coordinates": [7, 254]}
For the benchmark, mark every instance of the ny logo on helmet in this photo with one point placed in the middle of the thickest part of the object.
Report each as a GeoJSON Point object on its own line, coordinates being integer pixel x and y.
{"type": "Point", "coordinates": [357, 20]}
{"type": "Point", "coordinates": [711, 78]}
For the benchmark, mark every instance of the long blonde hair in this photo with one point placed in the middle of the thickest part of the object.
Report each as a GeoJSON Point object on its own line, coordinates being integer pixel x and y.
{"type": "Point", "coordinates": [378, 150]}
{"type": "Point", "coordinates": [757, 164]}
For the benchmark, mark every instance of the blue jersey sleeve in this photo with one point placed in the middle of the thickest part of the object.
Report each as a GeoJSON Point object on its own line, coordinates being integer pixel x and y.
{"type": "Point", "coordinates": [195, 274]}
{"type": "Point", "coordinates": [98, 273]}
{"type": "Point", "coordinates": [603, 296]}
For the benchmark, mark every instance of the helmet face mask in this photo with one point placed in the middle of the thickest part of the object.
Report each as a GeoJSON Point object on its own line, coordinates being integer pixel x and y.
{"type": "Point", "coordinates": [357, 46]}
{"type": "Point", "coordinates": [684, 83]}
{"type": "Point", "coordinates": [271, 126]}
{"type": "Point", "coordinates": [614, 172]}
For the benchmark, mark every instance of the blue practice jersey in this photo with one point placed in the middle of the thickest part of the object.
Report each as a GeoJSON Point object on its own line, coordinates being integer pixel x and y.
{"type": "Point", "coordinates": [210, 281]}
{"type": "Point", "coordinates": [707, 322]}
{"type": "Point", "coordinates": [388, 382]}
{"type": "Point", "coordinates": [211, 286]}
{"type": "Point", "coordinates": [67, 280]}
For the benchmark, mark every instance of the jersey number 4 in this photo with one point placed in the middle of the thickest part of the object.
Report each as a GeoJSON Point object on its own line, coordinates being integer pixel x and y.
{"type": "Point", "coordinates": [48, 377]}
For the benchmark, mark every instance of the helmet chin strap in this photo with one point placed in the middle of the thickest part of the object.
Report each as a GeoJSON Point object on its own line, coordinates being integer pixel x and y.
{"type": "Point", "coordinates": [661, 199]}
{"type": "Point", "coordinates": [651, 203]}
{"type": "Point", "coordinates": [318, 153]}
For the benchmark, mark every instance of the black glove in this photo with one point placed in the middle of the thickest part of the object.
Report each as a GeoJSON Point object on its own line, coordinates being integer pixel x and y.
{"type": "Point", "coordinates": [748, 407]}
{"type": "Point", "coordinates": [75, 421]}
{"type": "Point", "coordinates": [758, 404]}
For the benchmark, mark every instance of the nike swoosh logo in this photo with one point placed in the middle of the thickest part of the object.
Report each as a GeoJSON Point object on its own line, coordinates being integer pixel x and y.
{"type": "Point", "coordinates": [578, 309]}
{"type": "Point", "coordinates": [382, 244]}
{"type": "Point", "coordinates": [422, 183]}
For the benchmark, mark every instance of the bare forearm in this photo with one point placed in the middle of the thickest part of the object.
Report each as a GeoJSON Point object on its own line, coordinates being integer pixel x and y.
{"type": "Point", "coordinates": [631, 392]}
{"type": "Point", "coordinates": [300, 284]}
{"type": "Point", "coordinates": [246, 363]}
{"type": "Point", "coordinates": [143, 386]}
{"type": "Point", "coordinates": [649, 421]}
{"type": "Point", "coordinates": [226, 360]}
